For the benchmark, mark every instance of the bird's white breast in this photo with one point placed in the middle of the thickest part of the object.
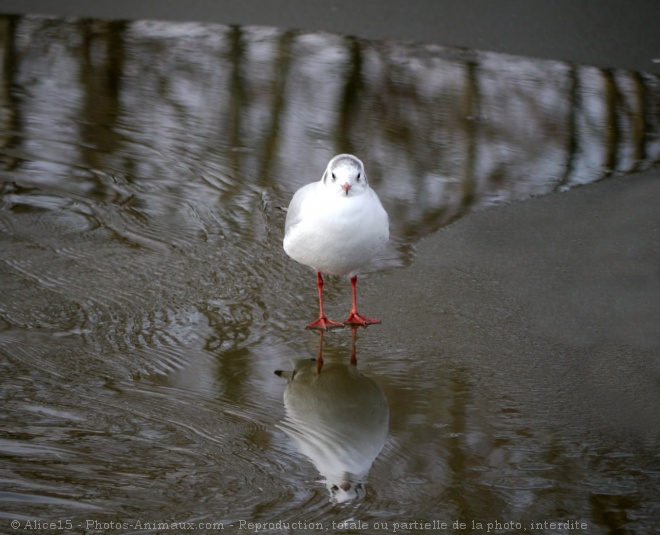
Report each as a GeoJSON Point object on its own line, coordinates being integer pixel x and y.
{"type": "Point", "coordinates": [335, 234]}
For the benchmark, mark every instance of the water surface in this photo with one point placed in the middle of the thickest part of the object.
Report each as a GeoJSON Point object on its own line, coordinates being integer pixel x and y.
{"type": "Point", "coordinates": [146, 302]}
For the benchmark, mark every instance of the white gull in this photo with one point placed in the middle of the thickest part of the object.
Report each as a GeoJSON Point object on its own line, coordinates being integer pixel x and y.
{"type": "Point", "coordinates": [336, 226]}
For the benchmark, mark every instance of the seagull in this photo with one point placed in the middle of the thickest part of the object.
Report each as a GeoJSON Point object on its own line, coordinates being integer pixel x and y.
{"type": "Point", "coordinates": [336, 226]}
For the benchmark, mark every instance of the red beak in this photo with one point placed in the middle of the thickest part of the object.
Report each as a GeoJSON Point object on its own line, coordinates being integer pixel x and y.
{"type": "Point", "coordinates": [346, 187]}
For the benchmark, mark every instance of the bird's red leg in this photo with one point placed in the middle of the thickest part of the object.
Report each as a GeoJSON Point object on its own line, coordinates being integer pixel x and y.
{"type": "Point", "coordinates": [354, 318]}
{"type": "Point", "coordinates": [322, 323]}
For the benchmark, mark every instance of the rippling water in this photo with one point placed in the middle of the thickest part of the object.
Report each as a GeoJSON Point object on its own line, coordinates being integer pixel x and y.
{"type": "Point", "coordinates": [146, 302]}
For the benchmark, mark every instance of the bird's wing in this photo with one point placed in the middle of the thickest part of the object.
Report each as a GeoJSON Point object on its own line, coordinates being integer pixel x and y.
{"type": "Point", "coordinates": [294, 212]}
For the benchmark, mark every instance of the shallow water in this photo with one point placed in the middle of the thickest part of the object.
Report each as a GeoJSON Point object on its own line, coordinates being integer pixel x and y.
{"type": "Point", "coordinates": [146, 302]}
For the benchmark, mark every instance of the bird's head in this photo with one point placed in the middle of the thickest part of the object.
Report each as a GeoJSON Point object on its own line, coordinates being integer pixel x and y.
{"type": "Point", "coordinates": [345, 175]}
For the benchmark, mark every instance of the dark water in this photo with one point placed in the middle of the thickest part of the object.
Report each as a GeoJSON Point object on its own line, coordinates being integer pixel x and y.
{"type": "Point", "coordinates": [146, 302]}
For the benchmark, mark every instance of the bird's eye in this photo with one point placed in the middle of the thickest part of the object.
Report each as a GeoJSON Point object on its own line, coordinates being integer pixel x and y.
{"type": "Point", "coordinates": [334, 177]}
{"type": "Point", "coordinates": [359, 176]}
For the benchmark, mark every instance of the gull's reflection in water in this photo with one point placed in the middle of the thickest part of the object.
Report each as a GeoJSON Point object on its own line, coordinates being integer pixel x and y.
{"type": "Point", "coordinates": [338, 417]}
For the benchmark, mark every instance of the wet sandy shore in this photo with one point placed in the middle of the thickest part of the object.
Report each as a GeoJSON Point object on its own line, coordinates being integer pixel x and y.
{"type": "Point", "coordinates": [554, 300]}
{"type": "Point", "coordinates": [603, 33]}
